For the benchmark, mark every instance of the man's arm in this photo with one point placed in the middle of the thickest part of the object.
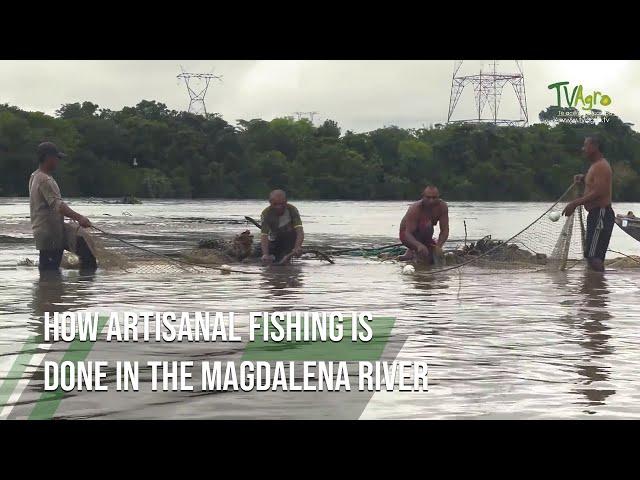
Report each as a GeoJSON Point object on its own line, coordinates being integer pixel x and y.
{"type": "Point", "coordinates": [444, 227]}
{"type": "Point", "coordinates": [296, 223]}
{"type": "Point", "coordinates": [73, 215]}
{"type": "Point", "coordinates": [264, 237]}
{"type": "Point", "coordinates": [55, 201]}
{"type": "Point", "coordinates": [264, 242]}
{"type": "Point", "coordinates": [410, 226]}
{"type": "Point", "coordinates": [597, 188]}
{"type": "Point", "coordinates": [297, 249]}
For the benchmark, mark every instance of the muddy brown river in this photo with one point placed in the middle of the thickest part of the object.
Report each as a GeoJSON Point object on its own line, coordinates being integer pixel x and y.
{"type": "Point", "coordinates": [512, 345]}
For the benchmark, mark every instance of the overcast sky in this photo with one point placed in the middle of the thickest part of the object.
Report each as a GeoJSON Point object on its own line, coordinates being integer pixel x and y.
{"type": "Point", "coordinates": [360, 95]}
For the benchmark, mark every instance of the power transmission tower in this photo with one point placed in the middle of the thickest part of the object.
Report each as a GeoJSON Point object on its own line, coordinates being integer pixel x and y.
{"type": "Point", "coordinates": [308, 115]}
{"type": "Point", "coordinates": [487, 88]}
{"type": "Point", "coordinates": [197, 89]}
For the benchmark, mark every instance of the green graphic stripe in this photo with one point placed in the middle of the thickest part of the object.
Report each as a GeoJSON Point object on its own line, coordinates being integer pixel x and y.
{"type": "Point", "coordinates": [49, 402]}
{"type": "Point", "coordinates": [17, 369]}
{"type": "Point", "coordinates": [344, 350]}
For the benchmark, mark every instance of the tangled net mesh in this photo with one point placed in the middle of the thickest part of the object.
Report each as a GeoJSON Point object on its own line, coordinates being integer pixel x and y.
{"type": "Point", "coordinates": [550, 242]}
{"type": "Point", "coordinates": [117, 253]}
{"type": "Point", "coordinates": [545, 245]}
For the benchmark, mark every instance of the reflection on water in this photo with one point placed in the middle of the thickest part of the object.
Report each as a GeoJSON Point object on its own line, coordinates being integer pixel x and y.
{"type": "Point", "coordinates": [593, 317]}
{"type": "Point", "coordinates": [427, 283]}
{"type": "Point", "coordinates": [282, 281]}
{"type": "Point", "coordinates": [57, 292]}
{"type": "Point", "coordinates": [48, 291]}
{"type": "Point", "coordinates": [511, 345]}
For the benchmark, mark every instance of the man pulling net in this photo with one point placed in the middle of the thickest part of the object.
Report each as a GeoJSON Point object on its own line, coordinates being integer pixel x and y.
{"type": "Point", "coordinates": [47, 210]}
{"type": "Point", "coordinates": [416, 227]}
{"type": "Point", "coordinates": [282, 232]}
{"type": "Point", "coordinates": [597, 201]}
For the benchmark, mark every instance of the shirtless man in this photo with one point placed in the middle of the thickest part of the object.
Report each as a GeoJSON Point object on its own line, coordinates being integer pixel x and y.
{"type": "Point", "coordinates": [597, 201]}
{"type": "Point", "coordinates": [416, 227]}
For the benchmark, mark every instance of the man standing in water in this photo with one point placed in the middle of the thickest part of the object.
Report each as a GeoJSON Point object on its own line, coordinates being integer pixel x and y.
{"type": "Point", "coordinates": [416, 227]}
{"type": "Point", "coordinates": [282, 232]}
{"type": "Point", "coordinates": [48, 211]}
{"type": "Point", "coordinates": [597, 201]}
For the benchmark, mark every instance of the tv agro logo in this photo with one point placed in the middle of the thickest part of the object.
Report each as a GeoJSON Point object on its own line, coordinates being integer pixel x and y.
{"type": "Point", "coordinates": [594, 99]}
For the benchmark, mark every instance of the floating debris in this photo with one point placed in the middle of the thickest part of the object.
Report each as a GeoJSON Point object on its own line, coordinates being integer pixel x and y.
{"type": "Point", "coordinates": [239, 248]}
{"type": "Point", "coordinates": [408, 270]}
{"type": "Point", "coordinates": [130, 199]}
{"type": "Point", "coordinates": [26, 262]}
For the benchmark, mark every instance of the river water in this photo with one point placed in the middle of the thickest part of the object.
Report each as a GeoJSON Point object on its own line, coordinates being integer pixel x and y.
{"type": "Point", "coordinates": [513, 345]}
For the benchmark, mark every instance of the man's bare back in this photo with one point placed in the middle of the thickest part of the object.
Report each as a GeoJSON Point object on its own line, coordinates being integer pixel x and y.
{"type": "Point", "coordinates": [598, 180]}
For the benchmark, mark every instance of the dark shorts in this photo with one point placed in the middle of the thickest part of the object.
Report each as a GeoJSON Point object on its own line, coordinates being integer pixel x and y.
{"type": "Point", "coordinates": [283, 244]}
{"type": "Point", "coordinates": [600, 223]}
{"type": "Point", "coordinates": [50, 259]}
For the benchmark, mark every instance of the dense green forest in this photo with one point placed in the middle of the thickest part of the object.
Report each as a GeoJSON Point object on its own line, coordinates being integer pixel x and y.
{"type": "Point", "coordinates": [178, 154]}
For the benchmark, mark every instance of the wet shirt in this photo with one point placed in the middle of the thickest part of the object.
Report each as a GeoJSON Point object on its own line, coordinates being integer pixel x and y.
{"type": "Point", "coordinates": [274, 224]}
{"type": "Point", "coordinates": [47, 222]}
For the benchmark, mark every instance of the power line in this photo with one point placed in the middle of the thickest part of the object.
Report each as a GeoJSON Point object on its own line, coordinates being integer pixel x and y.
{"type": "Point", "coordinates": [308, 115]}
{"type": "Point", "coordinates": [197, 85]}
{"type": "Point", "coordinates": [487, 88]}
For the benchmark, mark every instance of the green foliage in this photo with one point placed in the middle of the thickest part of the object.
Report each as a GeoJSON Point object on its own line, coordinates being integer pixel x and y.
{"type": "Point", "coordinates": [178, 154]}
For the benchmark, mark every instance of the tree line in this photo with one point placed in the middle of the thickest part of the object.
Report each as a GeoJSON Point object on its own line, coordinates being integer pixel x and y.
{"type": "Point", "coordinates": [152, 151]}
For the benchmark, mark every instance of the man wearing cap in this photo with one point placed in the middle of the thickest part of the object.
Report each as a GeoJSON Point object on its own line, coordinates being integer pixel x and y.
{"type": "Point", "coordinates": [48, 211]}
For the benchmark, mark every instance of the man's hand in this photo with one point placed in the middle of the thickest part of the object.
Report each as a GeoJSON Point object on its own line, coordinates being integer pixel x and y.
{"type": "Point", "coordinates": [297, 251]}
{"type": "Point", "coordinates": [268, 259]}
{"type": "Point", "coordinates": [569, 209]}
{"type": "Point", "coordinates": [578, 178]}
{"type": "Point", "coordinates": [438, 256]}
{"type": "Point", "coordinates": [84, 221]}
{"type": "Point", "coordinates": [423, 251]}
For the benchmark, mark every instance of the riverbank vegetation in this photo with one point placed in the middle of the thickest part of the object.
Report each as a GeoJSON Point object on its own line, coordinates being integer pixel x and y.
{"type": "Point", "coordinates": [151, 151]}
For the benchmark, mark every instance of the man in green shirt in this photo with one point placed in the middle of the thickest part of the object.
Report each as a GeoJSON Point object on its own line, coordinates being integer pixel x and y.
{"type": "Point", "coordinates": [282, 232]}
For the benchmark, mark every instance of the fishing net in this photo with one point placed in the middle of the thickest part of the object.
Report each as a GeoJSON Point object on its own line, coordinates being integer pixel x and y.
{"type": "Point", "coordinates": [120, 252]}
{"type": "Point", "coordinates": [549, 242]}
{"type": "Point", "coordinates": [129, 254]}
